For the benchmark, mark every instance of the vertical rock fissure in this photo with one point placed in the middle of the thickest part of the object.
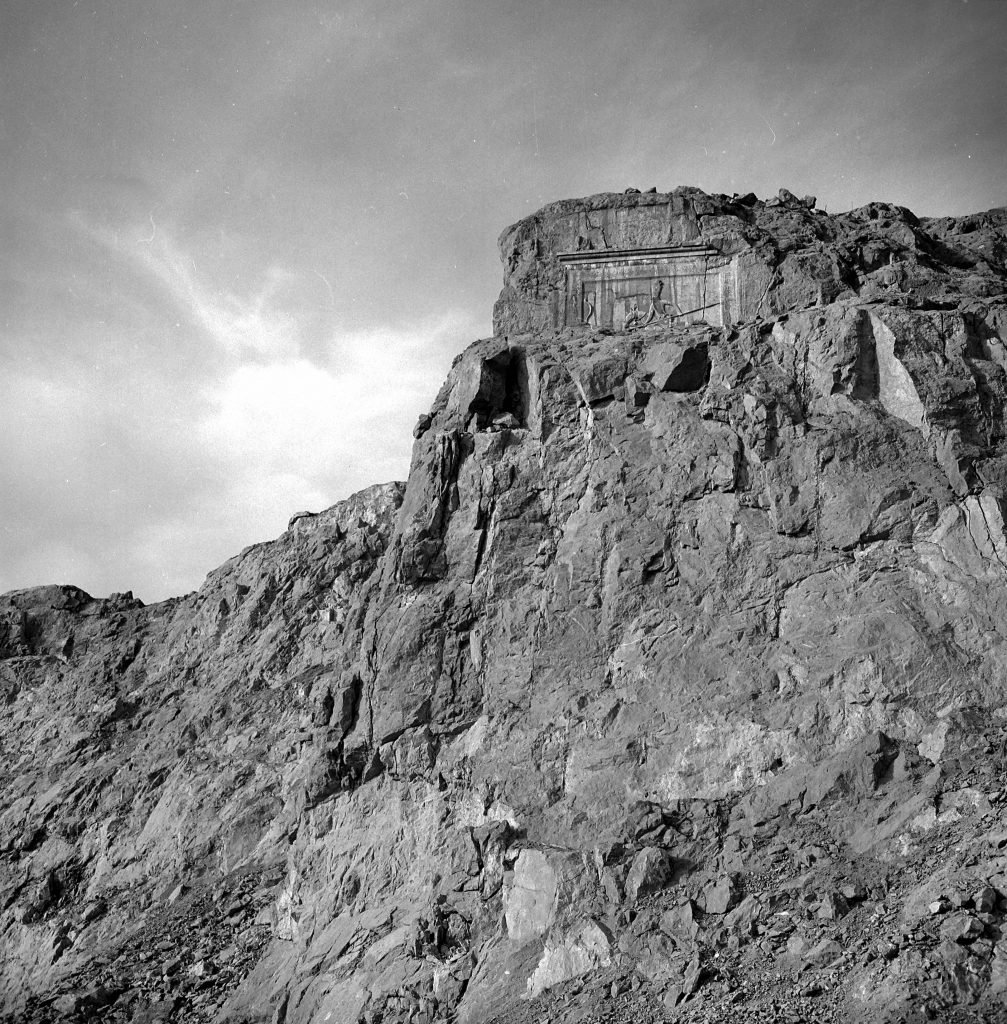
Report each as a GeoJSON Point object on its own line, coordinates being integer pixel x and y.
{"type": "Point", "coordinates": [977, 503]}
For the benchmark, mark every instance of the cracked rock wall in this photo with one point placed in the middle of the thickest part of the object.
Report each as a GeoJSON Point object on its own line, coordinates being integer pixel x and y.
{"type": "Point", "coordinates": [427, 754]}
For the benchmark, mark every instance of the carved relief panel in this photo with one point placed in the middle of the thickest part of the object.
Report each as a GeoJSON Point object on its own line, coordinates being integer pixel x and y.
{"type": "Point", "coordinates": [629, 288]}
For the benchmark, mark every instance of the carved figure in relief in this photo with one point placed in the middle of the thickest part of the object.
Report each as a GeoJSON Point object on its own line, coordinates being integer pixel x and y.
{"type": "Point", "coordinates": [659, 308]}
{"type": "Point", "coordinates": [634, 318]}
{"type": "Point", "coordinates": [589, 315]}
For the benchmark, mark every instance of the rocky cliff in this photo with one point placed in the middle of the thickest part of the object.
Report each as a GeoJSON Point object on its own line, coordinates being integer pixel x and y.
{"type": "Point", "coordinates": [670, 685]}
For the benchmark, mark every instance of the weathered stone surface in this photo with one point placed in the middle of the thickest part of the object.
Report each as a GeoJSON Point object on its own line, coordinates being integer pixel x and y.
{"type": "Point", "coordinates": [961, 927]}
{"type": "Point", "coordinates": [675, 636]}
{"type": "Point", "coordinates": [583, 949]}
{"type": "Point", "coordinates": [652, 869]}
{"type": "Point", "coordinates": [680, 924]}
{"type": "Point", "coordinates": [719, 895]}
{"type": "Point", "coordinates": [530, 907]}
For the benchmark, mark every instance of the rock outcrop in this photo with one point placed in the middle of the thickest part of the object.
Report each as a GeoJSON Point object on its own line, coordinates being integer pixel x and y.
{"type": "Point", "coordinates": [670, 685]}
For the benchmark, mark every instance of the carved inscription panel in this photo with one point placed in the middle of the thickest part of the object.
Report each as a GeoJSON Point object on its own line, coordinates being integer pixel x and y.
{"type": "Point", "coordinates": [631, 288]}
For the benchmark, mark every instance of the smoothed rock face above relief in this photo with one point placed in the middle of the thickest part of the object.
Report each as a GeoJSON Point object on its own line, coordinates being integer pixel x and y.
{"type": "Point", "coordinates": [670, 683]}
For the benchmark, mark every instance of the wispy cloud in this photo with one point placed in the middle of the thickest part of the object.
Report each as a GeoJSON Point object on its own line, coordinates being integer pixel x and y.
{"type": "Point", "coordinates": [257, 322]}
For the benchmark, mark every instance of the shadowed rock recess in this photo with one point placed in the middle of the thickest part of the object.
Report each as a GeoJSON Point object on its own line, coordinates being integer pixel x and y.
{"type": "Point", "coordinates": [672, 685]}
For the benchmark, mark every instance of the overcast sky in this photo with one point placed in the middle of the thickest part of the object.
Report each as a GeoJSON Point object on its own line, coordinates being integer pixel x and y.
{"type": "Point", "coordinates": [241, 240]}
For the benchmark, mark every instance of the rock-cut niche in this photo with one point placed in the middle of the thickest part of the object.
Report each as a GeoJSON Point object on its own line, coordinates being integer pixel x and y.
{"type": "Point", "coordinates": [501, 398]}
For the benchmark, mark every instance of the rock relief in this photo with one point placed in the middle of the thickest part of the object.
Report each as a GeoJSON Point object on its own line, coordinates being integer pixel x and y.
{"type": "Point", "coordinates": [632, 288]}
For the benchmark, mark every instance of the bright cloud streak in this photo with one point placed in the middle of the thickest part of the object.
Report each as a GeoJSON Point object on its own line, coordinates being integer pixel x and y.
{"type": "Point", "coordinates": [237, 324]}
